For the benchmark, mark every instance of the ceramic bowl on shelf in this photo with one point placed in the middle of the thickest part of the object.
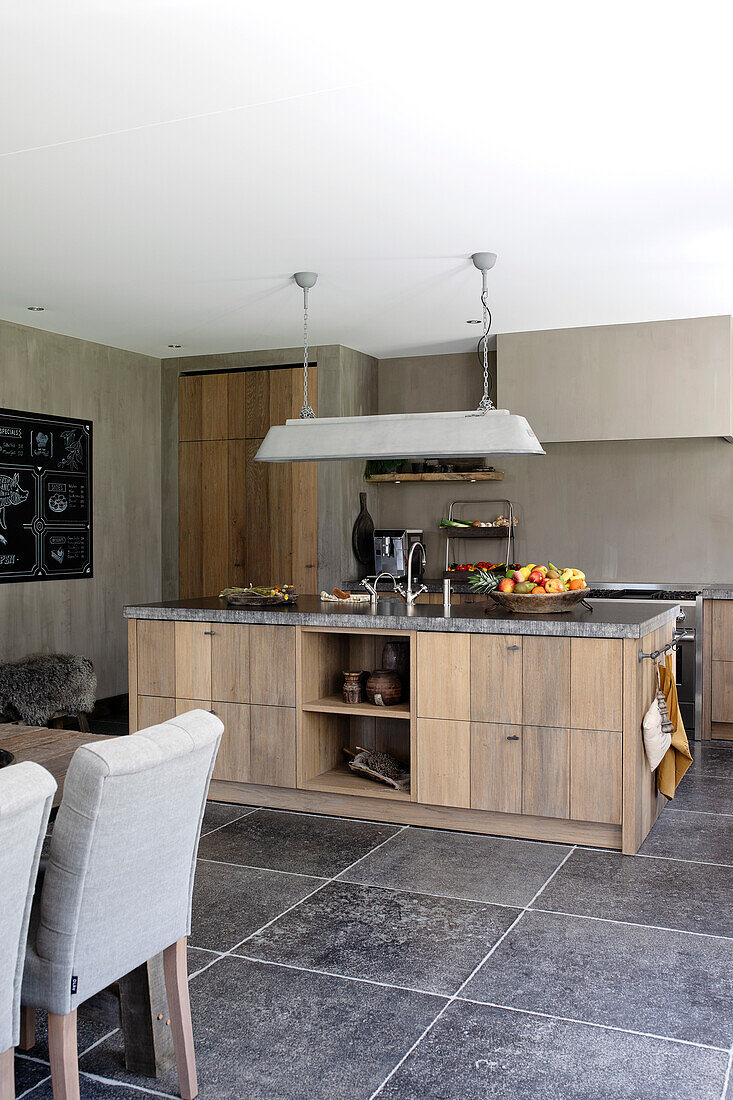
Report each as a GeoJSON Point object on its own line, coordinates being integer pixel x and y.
{"type": "Point", "coordinates": [384, 688]}
{"type": "Point", "coordinates": [552, 604]}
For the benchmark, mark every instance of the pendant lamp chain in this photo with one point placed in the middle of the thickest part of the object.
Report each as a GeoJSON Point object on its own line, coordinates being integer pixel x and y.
{"type": "Point", "coordinates": [485, 404]}
{"type": "Point", "coordinates": [305, 279]}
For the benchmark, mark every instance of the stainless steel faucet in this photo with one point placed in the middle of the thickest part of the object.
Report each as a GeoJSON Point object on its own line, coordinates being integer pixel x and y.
{"type": "Point", "coordinates": [410, 595]}
{"type": "Point", "coordinates": [372, 587]}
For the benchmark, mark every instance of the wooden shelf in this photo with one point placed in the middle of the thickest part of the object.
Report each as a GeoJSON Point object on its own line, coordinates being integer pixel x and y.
{"type": "Point", "coordinates": [471, 475]}
{"type": "Point", "coordinates": [334, 704]}
{"type": "Point", "coordinates": [341, 780]}
{"type": "Point", "coordinates": [475, 532]}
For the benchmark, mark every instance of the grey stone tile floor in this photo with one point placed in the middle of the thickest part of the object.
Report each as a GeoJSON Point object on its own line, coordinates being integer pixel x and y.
{"type": "Point", "coordinates": [332, 958]}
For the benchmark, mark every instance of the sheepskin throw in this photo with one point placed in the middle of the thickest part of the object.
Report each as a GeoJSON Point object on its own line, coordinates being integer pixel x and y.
{"type": "Point", "coordinates": [35, 688]}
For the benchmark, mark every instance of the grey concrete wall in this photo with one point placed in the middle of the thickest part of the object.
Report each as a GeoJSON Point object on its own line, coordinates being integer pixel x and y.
{"type": "Point", "coordinates": [644, 510]}
{"type": "Point", "coordinates": [120, 392]}
{"type": "Point", "coordinates": [347, 386]}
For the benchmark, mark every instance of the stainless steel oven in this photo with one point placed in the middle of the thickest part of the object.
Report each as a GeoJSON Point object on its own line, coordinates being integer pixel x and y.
{"type": "Point", "coordinates": [689, 653]}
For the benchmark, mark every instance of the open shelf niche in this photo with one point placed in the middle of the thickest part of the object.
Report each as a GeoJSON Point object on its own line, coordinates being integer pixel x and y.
{"type": "Point", "coordinates": [327, 725]}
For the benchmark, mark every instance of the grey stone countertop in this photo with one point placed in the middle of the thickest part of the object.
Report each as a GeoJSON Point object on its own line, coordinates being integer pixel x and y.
{"type": "Point", "coordinates": [626, 619]}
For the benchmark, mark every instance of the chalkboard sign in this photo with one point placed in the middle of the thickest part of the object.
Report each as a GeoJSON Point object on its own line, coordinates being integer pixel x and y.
{"type": "Point", "coordinates": [45, 497]}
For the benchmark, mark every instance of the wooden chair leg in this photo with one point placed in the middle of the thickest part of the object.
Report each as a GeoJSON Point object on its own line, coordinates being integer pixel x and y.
{"type": "Point", "coordinates": [83, 720]}
{"type": "Point", "coordinates": [179, 1006]}
{"type": "Point", "coordinates": [27, 1027]}
{"type": "Point", "coordinates": [63, 1056]}
{"type": "Point", "coordinates": [7, 1074]}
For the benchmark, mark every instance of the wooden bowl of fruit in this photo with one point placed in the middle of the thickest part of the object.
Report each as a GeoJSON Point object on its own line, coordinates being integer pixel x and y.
{"type": "Point", "coordinates": [534, 589]}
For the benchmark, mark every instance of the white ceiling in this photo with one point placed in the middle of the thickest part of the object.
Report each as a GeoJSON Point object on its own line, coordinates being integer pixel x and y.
{"type": "Point", "coordinates": [165, 165]}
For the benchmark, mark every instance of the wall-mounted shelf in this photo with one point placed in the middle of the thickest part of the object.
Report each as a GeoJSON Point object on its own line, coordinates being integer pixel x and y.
{"type": "Point", "coordinates": [334, 704]}
{"type": "Point", "coordinates": [470, 475]}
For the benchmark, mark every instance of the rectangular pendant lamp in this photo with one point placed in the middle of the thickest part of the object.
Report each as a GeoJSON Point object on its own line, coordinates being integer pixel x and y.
{"type": "Point", "coordinates": [495, 432]}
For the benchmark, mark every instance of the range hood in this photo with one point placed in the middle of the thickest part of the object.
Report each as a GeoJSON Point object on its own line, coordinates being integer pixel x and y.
{"type": "Point", "coordinates": [433, 435]}
{"type": "Point", "coordinates": [484, 433]}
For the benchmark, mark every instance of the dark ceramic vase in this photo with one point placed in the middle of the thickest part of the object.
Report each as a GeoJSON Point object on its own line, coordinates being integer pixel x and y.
{"type": "Point", "coordinates": [384, 688]}
{"type": "Point", "coordinates": [362, 539]}
{"type": "Point", "coordinates": [396, 658]}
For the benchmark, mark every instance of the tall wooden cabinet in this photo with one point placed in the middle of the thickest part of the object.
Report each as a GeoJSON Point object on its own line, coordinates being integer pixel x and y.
{"type": "Point", "coordinates": [242, 521]}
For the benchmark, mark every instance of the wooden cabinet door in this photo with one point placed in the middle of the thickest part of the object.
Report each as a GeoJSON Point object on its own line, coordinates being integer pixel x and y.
{"type": "Point", "coordinates": [596, 684]}
{"type": "Point", "coordinates": [546, 681]}
{"type": "Point", "coordinates": [203, 518]}
{"type": "Point", "coordinates": [272, 665]}
{"type": "Point", "coordinates": [722, 631]}
{"type": "Point", "coordinates": [230, 662]}
{"type": "Point", "coordinates": [496, 767]}
{"type": "Point", "coordinates": [193, 660]}
{"type": "Point", "coordinates": [151, 711]}
{"type": "Point", "coordinates": [546, 770]}
{"type": "Point", "coordinates": [272, 746]}
{"type": "Point", "coordinates": [722, 691]}
{"type": "Point", "coordinates": [203, 406]}
{"type": "Point", "coordinates": [257, 401]}
{"type": "Point", "coordinates": [595, 776]}
{"type": "Point", "coordinates": [443, 676]}
{"type": "Point", "coordinates": [156, 668]}
{"type": "Point", "coordinates": [259, 530]}
{"type": "Point", "coordinates": [443, 762]}
{"type": "Point", "coordinates": [232, 761]}
{"type": "Point", "coordinates": [239, 522]}
{"type": "Point", "coordinates": [496, 678]}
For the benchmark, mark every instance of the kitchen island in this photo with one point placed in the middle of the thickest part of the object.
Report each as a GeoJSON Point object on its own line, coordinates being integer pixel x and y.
{"type": "Point", "coordinates": [516, 725]}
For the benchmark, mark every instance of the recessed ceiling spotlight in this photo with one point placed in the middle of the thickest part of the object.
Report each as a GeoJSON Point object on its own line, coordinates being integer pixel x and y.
{"type": "Point", "coordinates": [474, 321]}
{"type": "Point", "coordinates": [175, 345]}
{"type": "Point", "coordinates": [36, 309]}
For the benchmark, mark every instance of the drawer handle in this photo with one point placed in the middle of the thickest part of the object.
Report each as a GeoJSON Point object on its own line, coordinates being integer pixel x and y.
{"type": "Point", "coordinates": [209, 632]}
{"type": "Point", "coordinates": [513, 737]}
{"type": "Point", "coordinates": [512, 647]}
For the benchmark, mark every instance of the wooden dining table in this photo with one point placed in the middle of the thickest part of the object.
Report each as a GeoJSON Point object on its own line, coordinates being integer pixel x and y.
{"type": "Point", "coordinates": [138, 1002]}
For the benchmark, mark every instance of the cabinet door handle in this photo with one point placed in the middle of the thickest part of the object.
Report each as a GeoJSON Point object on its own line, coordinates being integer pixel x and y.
{"type": "Point", "coordinates": [209, 632]}
{"type": "Point", "coordinates": [513, 737]}
{"type": "Point", "coordinates": [512, 647]}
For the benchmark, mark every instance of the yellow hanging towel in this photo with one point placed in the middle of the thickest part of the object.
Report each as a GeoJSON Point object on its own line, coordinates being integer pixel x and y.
{"type": "Point", "coordinates": [677, 758]}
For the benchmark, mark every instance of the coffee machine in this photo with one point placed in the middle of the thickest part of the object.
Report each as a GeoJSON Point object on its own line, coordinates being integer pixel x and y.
{"type": "Point", "coordinates": [391, 548]}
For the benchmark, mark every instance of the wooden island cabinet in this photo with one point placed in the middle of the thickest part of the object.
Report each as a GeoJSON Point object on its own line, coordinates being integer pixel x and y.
{"type": "Point", "coordinates": [525, 734]}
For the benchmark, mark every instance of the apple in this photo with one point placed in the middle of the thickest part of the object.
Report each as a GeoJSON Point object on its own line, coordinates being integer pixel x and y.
{"type": "Point", "coordinates": [554, 584]}
{"type": "Point", "coordinates": [536, 576]}
{"type": "Point", "coordinates": [507, 585]}
{"type": "Point", "coordinates": [518, 576]}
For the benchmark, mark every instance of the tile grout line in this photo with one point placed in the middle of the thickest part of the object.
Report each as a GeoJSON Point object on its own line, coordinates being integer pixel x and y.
{"type": "Point", "coordinates": [126, 1084]}
{"type": "Point", "coordinates": [634, 924]}
{"type": "Point", "coordinates": [254, 867]}
{"type": "Point", "coordinates": [706, 813]}
{"type": "Point", "coordinates": [726, 1079]}
{"type": "Point", "coordinates": [678, 859]}
{"type": "Point", "coordinates": [289, 909]}
{"type": "Point", "coordinates": [463, 984]}
{"type": "Point", "coordinates": [594, 1023]}
{"type": "Point", "coordinates": [427, 894]}
{"type": "Point", "coordinates": [342, 977]}
{"type": "Point", "coordinates": [32, 1089]}
{"type": "Point", "coordinates": [241, 817]}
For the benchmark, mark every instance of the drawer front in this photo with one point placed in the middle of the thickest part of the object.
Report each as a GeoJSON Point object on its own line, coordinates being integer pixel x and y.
{"type": "Point", "coordinates": [232, 761]}
{"type": "Point", "coordinates": [152, 710]}
{"type": "Point", "coordinates": [156, 669]}
{"type": "Point", "coordinates": [722, 630]}
{"type": "Point", "coordinates": [443, 676]}
{"type": "Point", "coordinates": [272, 665]}
{"type": "Point", "coordinates": [546, 681]}
{"type": "Point", "coordinates": [722, 691]}
{"type": "Point", "coordinates": [595, 776]}
{"type": "Point", "coordinates": [443, 762]}
{"type": "Point", "coordinates": [596, 684]}
{"type": "Point", "coordinates": [496, 767]}
{"type": "Point", "coordinates": [496, 678]}
{"type": "Point", "coordinates": [193, 660]}
{"type": "Point", "coordinates": [546, 771]}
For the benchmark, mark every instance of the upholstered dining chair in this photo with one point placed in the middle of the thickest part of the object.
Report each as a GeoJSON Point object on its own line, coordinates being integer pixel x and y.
{"type": "Point", "coordinates": [26, 794]}
{"type": "Point", "coordinates": [116, 889]}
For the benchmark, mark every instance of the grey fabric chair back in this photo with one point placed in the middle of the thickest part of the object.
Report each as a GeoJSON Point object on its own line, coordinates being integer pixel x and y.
{"type": "Point", "coordinates": [26, 795]}
{"type": "Point", "coordinates": [118, 884]}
